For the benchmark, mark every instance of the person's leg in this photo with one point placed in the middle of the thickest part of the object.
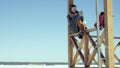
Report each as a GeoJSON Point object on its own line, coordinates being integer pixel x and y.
{"type": "Point", "coordinates": [80, 35]}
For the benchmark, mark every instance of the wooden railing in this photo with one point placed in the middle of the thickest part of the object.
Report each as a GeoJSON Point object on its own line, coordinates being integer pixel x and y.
{"type": "Point", "coordinates": [84, 44]}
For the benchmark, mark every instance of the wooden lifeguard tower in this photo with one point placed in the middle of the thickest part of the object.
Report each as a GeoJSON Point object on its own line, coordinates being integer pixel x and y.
{"type": "Point", "coordinates": [81, 50]}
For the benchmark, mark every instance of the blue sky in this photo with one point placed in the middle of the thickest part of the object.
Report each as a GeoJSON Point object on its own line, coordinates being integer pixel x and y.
{"type": "Point", "coordinates": [36, 30]}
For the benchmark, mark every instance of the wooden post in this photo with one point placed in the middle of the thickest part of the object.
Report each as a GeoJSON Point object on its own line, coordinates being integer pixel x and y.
{"type": "Point", "coordinates": [86, 52]}
{"type": "Point", "coordinates": [70, 46]}
{"type": "Point", "coordinates": [109, 34]}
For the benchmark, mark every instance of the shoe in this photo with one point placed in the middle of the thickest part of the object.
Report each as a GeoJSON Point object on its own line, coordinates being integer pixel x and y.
{"type": "Point", "coordinates": [80, 35]}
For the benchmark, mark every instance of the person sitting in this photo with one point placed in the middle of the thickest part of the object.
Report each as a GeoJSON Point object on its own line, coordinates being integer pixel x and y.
{"type": "Point", "coordinates": [75, 21]}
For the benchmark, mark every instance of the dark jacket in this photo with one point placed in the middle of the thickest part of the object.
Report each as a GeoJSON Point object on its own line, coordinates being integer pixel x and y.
{"type": "Point", "coordinates": [73, 24]}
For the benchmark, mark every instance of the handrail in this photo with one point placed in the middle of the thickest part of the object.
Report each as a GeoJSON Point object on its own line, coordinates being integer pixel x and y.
{"type": "Point", "coordinates": [96, 37]}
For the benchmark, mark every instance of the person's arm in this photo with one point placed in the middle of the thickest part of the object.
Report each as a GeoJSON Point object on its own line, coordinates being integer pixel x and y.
{"type": "Point", "coordinates": [81, 15]}
{"type": "Point", "coordinates": [82, 18]}
{"type": "Point", "coordinates": [69, 17]}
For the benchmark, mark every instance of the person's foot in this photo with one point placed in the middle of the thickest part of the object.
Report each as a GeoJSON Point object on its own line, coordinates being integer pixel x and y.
{"type": "Point", "coordinates": [80, 35]}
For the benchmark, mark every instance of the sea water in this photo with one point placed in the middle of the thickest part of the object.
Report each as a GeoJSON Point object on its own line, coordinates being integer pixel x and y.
{"type": "Point", "coordinates": [47, 66]}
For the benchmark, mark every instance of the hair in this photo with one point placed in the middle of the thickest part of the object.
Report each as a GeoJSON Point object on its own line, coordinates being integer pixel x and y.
{"type": "Point", "coordinates": [71, 6]}
{"type": "Point", "coordinates": [102, 13]}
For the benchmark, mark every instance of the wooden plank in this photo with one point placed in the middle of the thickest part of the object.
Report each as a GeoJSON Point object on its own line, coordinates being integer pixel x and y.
{"type": "Point", "coordinates": [95, 61]}
{"type": "Point", "coordinates": [92, 57]}
{"type": "Point", "coordinates": [118, 44]}
{"type": "Point", "coordinates": [90, 47]}
{"type": "Point", "coordinates": [86, 47]}
{"type": "Point", "coordinates": [69, 3]}
{"type": "Point", "coordinates": [70, 46]}
{"type": "Point", "coordinates": [80, 53]}
{"type": "Point", "coordinates": [70, 53]}
{"type": "Point", "coordinates": [79, 48]}
{"type": "Point", "coordinates": [78, 60]}
{"type": "Point", "coordinates": [115, 47]}
{"type": "Point", "coordinates": [75, 34]}
{"type": "Point", "coordinates": [94, 52]}
{"type": "Point", "coordinates": [101, 39]}
{"type": "Point", "coordinates": [117, 58]}
{"type": "Point", "coordinates": [109, 34]}
{"type": "Point", "coordinates": [91, 30]}
{"type": "Point", "coordinates": [96, 37]}
{"type": "Point", "coordinates": [75, 59]}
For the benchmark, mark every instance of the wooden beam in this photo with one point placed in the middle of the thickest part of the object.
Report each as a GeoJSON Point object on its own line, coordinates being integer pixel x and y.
{"type": "Point", "coordinates": [91, 30]}
{"type": "Point", "coordinates": [117, 58]}
{"type": "Point", "coordinates": [86, 47]}
{"type": "Point", "coordinates": [96, 37]}
{"type": "Point", "coordinates": [79, 48]}
{"type": "Point", "coordinates": [75, 34]}
{"type": "Point", "coordinates": [70, 53]}
{"type": "Point", "coordinates": [78, 60]}
{"type": "Point", "coordinates": [95, 61]}
{"type": "Point", "coordinates": [109, 34]}
{"type": "Point", "coordinates": [76, 46]}
{"type": "Point", "coordinates": [95, 50]}
{"type": "Point", "coordinates": [75, 59]}
{"type": "Point", "coordinates": [92, 57]}
{"type": "Point", "coordinates": [118, 44]}
{"type": "Point", "coordinates": [70, 46]}
{"type": "Point", "coordinates": [69, 3]}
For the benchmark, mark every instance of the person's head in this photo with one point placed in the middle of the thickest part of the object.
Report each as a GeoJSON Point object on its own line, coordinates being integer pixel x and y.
{"type": "Point", "coordinates": [102, 13]}
{"type": "Point", "coordinates": [73, 8]}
